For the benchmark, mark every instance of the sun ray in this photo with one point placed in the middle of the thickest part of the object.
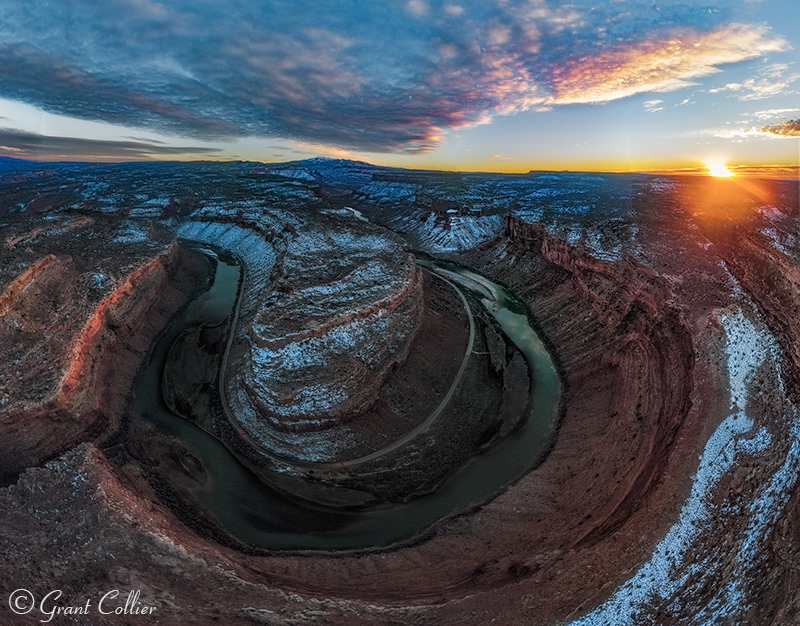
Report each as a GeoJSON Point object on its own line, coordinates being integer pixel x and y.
{"type": "Point", "coordinates": [718, 170]}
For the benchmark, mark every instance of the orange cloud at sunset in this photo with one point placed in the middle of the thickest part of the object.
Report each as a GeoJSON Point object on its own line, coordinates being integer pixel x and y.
{"type": "Point", "coordinates": [661, 65]}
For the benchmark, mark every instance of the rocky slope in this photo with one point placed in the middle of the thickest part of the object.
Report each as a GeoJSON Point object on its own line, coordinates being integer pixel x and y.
{"type": "Point", "coordinates": [668, 496]}
{"type": "Point", "coordinates": [76, 328]}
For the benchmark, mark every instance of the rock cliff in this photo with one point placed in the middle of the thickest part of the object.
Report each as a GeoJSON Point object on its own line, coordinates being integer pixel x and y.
{"type": "Point", "coordinates": [344, 311]}
{"type": "Point", "coordinates": [73, 333]}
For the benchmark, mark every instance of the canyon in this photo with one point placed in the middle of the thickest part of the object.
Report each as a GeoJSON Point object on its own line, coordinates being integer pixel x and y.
{"type": "Point", "coordinates": [663, 493]}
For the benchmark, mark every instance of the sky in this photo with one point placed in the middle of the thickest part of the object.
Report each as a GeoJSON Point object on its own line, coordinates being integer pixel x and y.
{"type": "Point", "coordinates": [490, 85]}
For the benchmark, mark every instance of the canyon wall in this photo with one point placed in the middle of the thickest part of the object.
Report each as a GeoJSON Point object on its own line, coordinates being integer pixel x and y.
{"type": "Point", "coordinates": [652, 344]}
{"type": "Point", "coordinates": [86, 354]}
{"type": "Point", "coordinates": [627, 364]}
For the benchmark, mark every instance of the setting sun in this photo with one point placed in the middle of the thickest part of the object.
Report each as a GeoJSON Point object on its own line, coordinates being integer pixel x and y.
{"type": "Point", "coordinates": [719, 170]}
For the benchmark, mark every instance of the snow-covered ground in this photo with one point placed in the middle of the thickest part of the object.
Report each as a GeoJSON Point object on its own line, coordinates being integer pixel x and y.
{"type": "Point", "coordinates": [382, 191]}
{"type": "Point", "coordinates": [130, 232]}
{"type": "Point", "coordinates": [667, 582]}
{"type": "Point", "coordinates": [450, 233]}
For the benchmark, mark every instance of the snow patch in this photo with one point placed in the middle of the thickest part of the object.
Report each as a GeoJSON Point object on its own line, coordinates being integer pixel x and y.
{"type": "Point", "coordinates": [383, 191]}
{"type": "Point", "coordinates": [299, 174]}
{"type": "Point", "coordinates": [663, 580]}
{"type": "Point", "coordinates": [746, 349]}
{"type": "Point", "coordinates": [130, 232]}
{"type": "Point", "coordinates": [451, 233]}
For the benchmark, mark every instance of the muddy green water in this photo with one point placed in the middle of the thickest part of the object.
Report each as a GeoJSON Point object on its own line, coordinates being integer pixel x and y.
{"type": "Point", "coordinates": [260, 516]}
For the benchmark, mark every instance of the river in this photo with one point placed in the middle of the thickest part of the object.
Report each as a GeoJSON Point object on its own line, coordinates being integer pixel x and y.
{"type": "Point", "coordinates": [258, 515]}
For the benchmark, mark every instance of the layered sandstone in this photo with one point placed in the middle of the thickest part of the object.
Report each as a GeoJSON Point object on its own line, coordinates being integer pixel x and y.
{"type": "Point", "coordinates": [74, 330]}
{"type": "Point", "coordinates": [345, 308]}
{"type": "Point", "coordinates": [627, 361]}
{"type": "Point", "coordinates": [772, 279]}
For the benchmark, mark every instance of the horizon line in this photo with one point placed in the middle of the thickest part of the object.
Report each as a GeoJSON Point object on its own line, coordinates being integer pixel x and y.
{"type": "Point", "coordinates": [791, 171]}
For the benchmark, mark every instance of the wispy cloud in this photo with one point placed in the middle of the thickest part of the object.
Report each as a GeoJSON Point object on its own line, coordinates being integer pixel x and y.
{"type": "Point", "coordinates": [144, 140]}
{"type": "Point", "coordinates": [418, 8]}
{"type": "Point", "coordinates": [770, 114]}
{"type": "Point", "coordinates": [390, 77]}
{"type": "Point", "coordinates": [31, 145]}
{"type": "Point", "coordinates": [651, 106]}
{"type": "Point", "coordinates": [770, 81]}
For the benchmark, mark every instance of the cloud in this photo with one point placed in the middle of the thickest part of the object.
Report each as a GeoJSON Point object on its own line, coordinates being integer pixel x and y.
{"type": "Point", "coordinates": [380, 77]}
{"type": "Point", "coordinates": [771, 81]}
{"type": "Point", "coordinates": [418, 8]}
{"type": "Point", "coordinates": [31, 145]}
{"type": "Point", "coordinates": [453, 9]}
{"type": "Point", "coordinates": [768, 114]}
{"type": "Point", "coordinates": [142, 139]}
{"type": "Point", "coordinates": [790, 128]}
{"type": "Point", "coordinates": [657, 65]}
{"type": "Point", "coordinates": [54, 85]}
{"type": "Point", "coordinates": [651, 106]}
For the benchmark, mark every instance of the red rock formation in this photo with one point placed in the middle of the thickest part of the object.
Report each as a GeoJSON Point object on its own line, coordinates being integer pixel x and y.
{"type": "Point", "coordinates": [320, 351]}
{"type": "Point", "coordinates": [558, 537]}
{"type": "Point", "coordinates": [772, 279]}
{"type": "Point", "coordinates": [11, 295]}
{"type": "Point", "coordinates": [91, 373]}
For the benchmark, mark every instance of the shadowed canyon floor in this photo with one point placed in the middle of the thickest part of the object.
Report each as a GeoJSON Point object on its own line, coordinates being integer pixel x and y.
{"type": "Point", "coordinates": [669, 305]}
